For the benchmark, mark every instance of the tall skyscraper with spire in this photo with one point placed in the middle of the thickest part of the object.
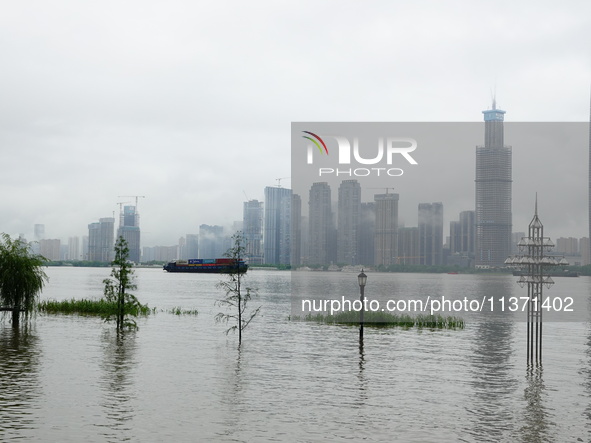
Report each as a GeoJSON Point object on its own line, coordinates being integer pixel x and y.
{"type": "Point", "coordinates": [493, 193]}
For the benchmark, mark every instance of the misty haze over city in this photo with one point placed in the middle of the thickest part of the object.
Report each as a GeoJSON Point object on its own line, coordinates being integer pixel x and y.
{"type": "Point", "coordinates": [190, 105]}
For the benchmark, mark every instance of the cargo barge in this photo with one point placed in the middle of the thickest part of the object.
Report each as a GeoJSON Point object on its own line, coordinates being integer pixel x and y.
{"type": "Point", "coordinates": [204, 265]}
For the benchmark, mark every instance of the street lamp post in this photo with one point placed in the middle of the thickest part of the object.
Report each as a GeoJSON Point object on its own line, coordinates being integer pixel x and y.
{"type": "Point", "coordinates": [362, 279]}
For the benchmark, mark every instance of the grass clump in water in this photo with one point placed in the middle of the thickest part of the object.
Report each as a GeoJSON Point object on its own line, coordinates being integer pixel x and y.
{"type": "Point", "coordinates": [177, 310]}
{"type": "Point", "coordinates": [100, 307]}
{"type": "Point", "coordinates": [387, 320]}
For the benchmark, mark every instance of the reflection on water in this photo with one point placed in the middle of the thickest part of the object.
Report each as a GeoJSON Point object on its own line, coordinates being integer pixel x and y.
{"type": "Point", "coordinates": [492, 380]}
{"type": "Point", "coordinates": [233, 395]}
{"type": "Point", "coordinates": [535, 417]}
{"type": "Point", "coordinates": [20, 354]}
{"type": "Point", "coordinates": [117, 384]}
{"type": "Point", "coordinates": [362, 382]}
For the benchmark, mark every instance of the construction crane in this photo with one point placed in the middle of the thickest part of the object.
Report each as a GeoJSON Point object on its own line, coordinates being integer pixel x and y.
{"type": "Point", "coordinates": [279, 181]}
{"type": "Point", "coordinates": [132, 196]}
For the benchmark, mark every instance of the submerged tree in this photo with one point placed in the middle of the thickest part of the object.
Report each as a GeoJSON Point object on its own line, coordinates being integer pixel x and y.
{"type": "Point", "coordinates": [116, 288]}
{"type": "Point", "coordinates": [21, 277]}
{"type": "Point", "coordinates": [237, 295]}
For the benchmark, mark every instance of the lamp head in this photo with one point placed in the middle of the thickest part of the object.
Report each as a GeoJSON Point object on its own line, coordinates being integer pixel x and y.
{"type": "Point", "coordinates": [362, 279]}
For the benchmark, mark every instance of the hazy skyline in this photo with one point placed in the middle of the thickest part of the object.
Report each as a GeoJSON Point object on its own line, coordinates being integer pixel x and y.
{"type": "Point", "coordinates": [190, 103]}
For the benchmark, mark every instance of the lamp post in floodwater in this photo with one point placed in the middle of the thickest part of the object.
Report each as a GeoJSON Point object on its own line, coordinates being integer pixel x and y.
{"type": "Point", "coordinates": [362, 279]}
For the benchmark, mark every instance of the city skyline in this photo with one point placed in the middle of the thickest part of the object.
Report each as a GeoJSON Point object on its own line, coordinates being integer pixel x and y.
{"type": "Point", "coordinates": [404, 219]}
{"type": "Point", "coordinates": [428, 243]}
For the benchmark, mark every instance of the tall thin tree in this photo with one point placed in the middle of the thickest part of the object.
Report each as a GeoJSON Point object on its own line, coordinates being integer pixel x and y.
{"type": "Point", "coordinates": [237, 295]}
{"type": "Point", "coordinates": [117, 287]}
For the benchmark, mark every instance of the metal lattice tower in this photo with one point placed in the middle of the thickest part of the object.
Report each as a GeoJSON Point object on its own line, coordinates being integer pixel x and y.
{"type": "Point", "coordinates": [535, 266]}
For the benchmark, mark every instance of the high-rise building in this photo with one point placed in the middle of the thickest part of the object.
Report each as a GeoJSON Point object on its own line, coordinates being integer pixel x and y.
{"type": "Point", "coordinates": [567, 246]}
{"type": "Point", "coordinates": [85, 247]}
{"type": "Point", "coordinates": [64, 252]}
{"type": "Point", "coordinates": [585, 251]}
{"type": "Point", "coordinates": [462, 233]}
{"type": "Point", "coordinates": [50, 249]}
{"type": "Point", "coordinates": [277, 233]}
{"type": "Point", "coordinates": [320, 224]}
{"type": "Point", "coordinates": [386, 229]}
{"type": "Point", "coordinates": [192, 246]}
{"type": "Point", "coordinates": [74, 248]}
{"type": "Point", "coordinates": [182, 249]}
{"type": "Point", "coordinates": [39, 232]}
{"type": "Point", "coordinates": [129, 229]}
{"type": "Point", "coordinates": [349, 211]}
{"type": "Point", "coordinates": [147, 254]}
{"type": "Point", "coordinates": [101, 240]}
{"type": "Point", "coordinates": [252, 228]}
{"type": "Point", "coordinates": [285, 230]}
{"type": "Point", "coordinates": [408, 246]}
{"type": "Point", "coordinates": [455, 237]}
{"type": "Point", "coordinates": [493, 193]}
{"type": "Point", "coordinates": [160, 253]}
{"type": "Point", "coordinates": [468, 232]}
{"type": "Point", "coordinates": [211, 241]}
{"type": "Point", "coordinates": [431, 234]}
{"type": "Point", "coordinates": [296, 230]}
{"type": "Point", "coordinates": [305, 238]}
{"type": "Point", "coordinates": [367, 231]}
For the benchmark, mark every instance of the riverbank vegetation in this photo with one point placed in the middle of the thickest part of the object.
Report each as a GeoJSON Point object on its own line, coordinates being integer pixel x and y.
{"type": "Point", "coordinates": [100, 307]}
{"type": "Point", "coordinates": [387, 320]}
{"type": "Point", "coordinates": [21, 277]}
{"type": "Point", "coordinates": [103, 308]}
{"type": "Point", "coordinates": [177, 310]}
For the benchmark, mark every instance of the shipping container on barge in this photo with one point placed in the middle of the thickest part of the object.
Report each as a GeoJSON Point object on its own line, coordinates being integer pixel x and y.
{"type": "Point", "coordinates": [204, 265]}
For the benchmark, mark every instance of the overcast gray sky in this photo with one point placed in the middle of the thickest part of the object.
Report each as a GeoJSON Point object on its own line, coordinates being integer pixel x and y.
{"type": "Point", "coordinates": [190, 103]}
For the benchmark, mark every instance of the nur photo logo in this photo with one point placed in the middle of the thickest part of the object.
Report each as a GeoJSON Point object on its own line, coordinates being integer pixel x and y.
{"type": "Point", "coordinates": [350, 153]}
